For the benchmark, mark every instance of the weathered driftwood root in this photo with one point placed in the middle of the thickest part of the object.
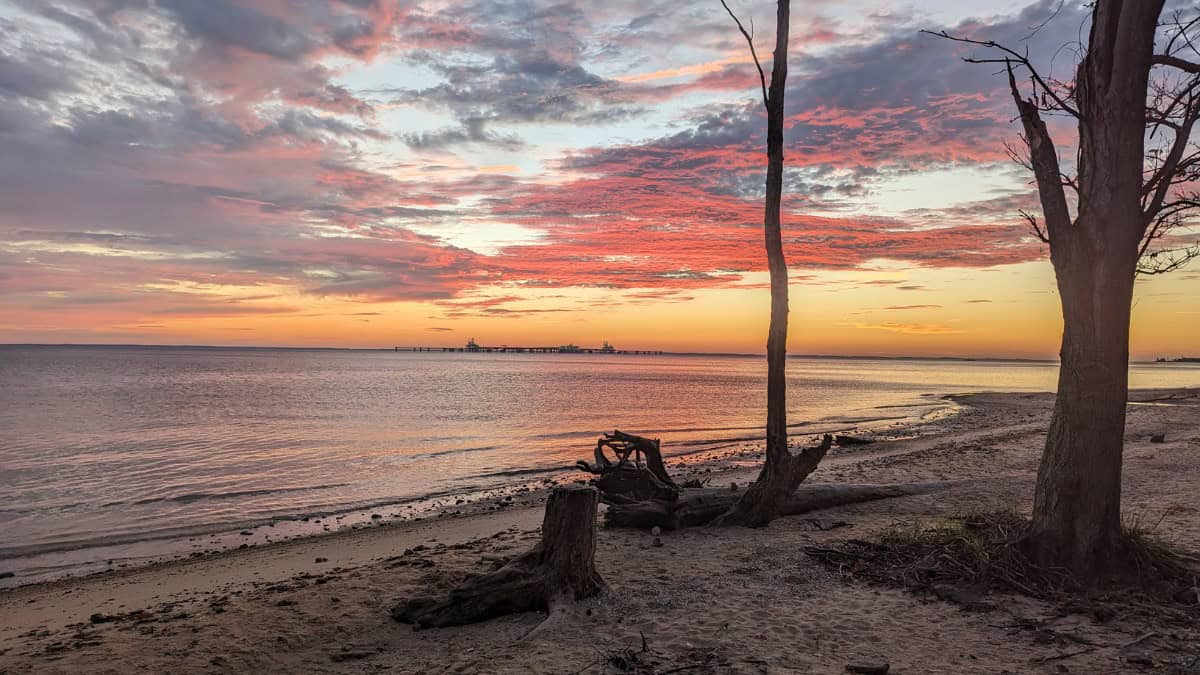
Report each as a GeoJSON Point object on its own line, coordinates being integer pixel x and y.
{"type": "Point", "coordinates": [553, 574]}
{"type": "Point", "coordinates": [627, 480]}
{"type": "Point", "coordinates": [702, 506]}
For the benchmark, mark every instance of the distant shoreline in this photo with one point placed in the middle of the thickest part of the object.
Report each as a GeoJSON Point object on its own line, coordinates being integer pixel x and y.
{"type": "Point", "coordinates": [739, 355]}
{"type": "Point", "coordinates": [854, 357]}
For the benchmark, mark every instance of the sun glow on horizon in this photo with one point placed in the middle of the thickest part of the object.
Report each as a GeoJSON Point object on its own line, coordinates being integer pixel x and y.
{"type": "Point", "coordinates": [536, 173]}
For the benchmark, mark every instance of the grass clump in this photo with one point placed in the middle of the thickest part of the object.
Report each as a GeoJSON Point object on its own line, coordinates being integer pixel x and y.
{"type": "Point", "coordinates": [968, 559]}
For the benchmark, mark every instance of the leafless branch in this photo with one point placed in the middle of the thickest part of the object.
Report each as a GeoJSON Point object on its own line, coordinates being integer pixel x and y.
{"type": "Point", "coordinates": [762, 76]}
{"type": "Point", "coordinates": [1167, 260]}
{"type": "Point", "coordinates": [1012, 56]}
{"type": "Point", "coordinates": [1176, 62]}
{"type": "Point", "coordinates": [1033, 224]}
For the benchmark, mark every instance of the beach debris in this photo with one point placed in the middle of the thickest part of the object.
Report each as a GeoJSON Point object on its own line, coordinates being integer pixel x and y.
{"type": "Point", "coordinates": [321, 560]}
{"type": "Point", "coordinates": [702, 506]}
{"type": "Point", "coordinates": [627, 476]}
{"type": "Point", "coordinates": [645, 496]}
{"type": "Point", "coordinates": [868, 668]}
{"type": "Point", "coordinates": [551, 576]}
{"type": "Point", "coordinates": [843, 440]}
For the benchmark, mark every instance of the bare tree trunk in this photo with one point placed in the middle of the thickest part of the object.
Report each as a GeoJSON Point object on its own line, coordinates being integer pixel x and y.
{"type": "Point", "coordinates": [1127, 197]}
{"type": "Point", "coordinates": [1077, 503]}
{"type": "Point", "coordinates": [782, 471]}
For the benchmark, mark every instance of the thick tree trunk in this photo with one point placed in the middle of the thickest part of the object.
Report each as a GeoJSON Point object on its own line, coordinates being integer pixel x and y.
{"type": "Point", "coordinates": [550, 576]}
{"type": "Point", "coordinates": [1077, 505]}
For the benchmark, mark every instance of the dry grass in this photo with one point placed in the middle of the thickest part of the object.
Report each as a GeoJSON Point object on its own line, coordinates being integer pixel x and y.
{"type": "Point", "coordinates": [967, 559]}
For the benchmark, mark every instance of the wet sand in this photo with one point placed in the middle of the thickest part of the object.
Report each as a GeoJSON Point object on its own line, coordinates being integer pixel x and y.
{"type": "Point", "coordinates": [707, 600]}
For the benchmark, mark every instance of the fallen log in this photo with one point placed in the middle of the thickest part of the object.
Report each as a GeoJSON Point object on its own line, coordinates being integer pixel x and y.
{"type": "Point", "coordinates": [843, 440]}
{"type": "Point", "coordinates": [551, 576]}
{"type": "Point", "coordinates": [701, 506]}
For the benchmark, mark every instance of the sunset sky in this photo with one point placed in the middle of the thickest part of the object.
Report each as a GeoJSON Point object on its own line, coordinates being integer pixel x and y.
{"type": "Point", "coordinates": [369, 173]}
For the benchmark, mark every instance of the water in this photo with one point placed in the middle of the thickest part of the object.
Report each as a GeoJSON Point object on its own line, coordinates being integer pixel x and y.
{"type": "Point", "coordinates": [106, 450]}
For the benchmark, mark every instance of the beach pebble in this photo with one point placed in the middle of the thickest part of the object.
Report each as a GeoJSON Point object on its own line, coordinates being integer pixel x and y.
{"type": "Point", "coordinates": [321, 560]}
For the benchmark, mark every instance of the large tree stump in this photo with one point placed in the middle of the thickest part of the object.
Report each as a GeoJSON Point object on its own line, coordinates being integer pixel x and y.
{"type": "Point", "coordinates": [559, 570]}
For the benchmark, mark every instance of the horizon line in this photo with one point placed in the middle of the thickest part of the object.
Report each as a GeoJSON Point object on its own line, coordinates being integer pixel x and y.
{"type": "Point", "coordinates": [660, 351]}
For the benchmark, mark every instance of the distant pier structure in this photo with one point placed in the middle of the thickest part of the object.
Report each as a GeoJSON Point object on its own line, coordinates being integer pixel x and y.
{"type": "Point", "coordinates": [473, 346]}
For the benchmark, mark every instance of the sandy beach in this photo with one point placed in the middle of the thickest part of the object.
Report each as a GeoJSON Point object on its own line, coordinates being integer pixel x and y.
{"type": "Point", "coordinates": [705, 600]}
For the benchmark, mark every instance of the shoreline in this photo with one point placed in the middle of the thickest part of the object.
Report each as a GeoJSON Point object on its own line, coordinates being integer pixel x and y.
{"type": "Point", "coordinates": [81, 559]}
{"type": "Point", "coordinates": [319, 604]}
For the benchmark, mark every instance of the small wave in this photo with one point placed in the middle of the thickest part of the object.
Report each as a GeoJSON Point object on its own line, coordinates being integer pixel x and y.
{"type": "Point", "coordinates": [201, 496]}
{"type": "Point", "coordinates": [455, 451]}
{"type": "Point", "coordinates": [523, 472]}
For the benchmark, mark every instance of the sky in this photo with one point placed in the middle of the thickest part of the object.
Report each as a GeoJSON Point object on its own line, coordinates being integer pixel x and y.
{"type": "Point", "coordinates": [372, 173]}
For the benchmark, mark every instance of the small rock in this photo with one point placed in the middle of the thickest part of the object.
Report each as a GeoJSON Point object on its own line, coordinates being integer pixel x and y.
{"type": "Point", "coordinates": [733, 487]}
{"type": "Point", "coordinates": [321, 560]}
{"type": "Point", "coordinates": [376, 516]}
{"type": "Point", "coordinates": [245, 533]}
{"type": "Point", "coordinates": [7, 575]}
{"type": "Point", "coordinates": [1158, 438]}
{"type": "Point", "coordinates": [656, 530]}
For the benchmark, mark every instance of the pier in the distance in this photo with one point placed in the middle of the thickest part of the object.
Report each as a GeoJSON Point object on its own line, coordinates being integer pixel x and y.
{"type": "Point", "coordinates": [473, 346]}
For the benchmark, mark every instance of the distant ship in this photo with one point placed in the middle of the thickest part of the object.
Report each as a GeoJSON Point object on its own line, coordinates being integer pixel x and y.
{"type": "Point", "coordinates": [472, 345]}
{"type": "Point", "coordinates": [607, 348]}
{"type": "Point", "coordinates": [569, 349]}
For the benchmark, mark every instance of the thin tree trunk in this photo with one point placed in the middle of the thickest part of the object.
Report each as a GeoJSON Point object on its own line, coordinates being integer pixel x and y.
{"type": "Point", "coordinates": [782, 471]}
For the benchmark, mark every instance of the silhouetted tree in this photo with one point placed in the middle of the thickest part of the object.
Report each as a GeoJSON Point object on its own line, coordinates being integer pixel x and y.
{"type": "Point", "coordinates": [782, 471]}
{"type": "Point", "coordinates": [1135, 109]}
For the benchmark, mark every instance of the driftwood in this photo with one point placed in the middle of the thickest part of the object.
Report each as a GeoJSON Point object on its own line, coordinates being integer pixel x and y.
{"type": "Point", "coordinates": [647, 496]}
{"type": "Point", "coordinates": [551, 576]}
{"type": "Point", "coordinates": [626, 479]}
{"type": "Point", "coordinates": [702, 506]}
{"type": "Point", "coordinates": [843, 440]}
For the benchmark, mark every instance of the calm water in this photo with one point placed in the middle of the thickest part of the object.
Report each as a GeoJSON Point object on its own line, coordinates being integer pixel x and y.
{"type": "Point", "coordinates": [106, 446]}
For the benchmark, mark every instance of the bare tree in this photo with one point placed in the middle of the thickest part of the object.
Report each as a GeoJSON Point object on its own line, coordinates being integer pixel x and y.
{"type": "Point", "coordinates": [782, 471]}
{"type": "Point", "coordinates": [1135, 110]}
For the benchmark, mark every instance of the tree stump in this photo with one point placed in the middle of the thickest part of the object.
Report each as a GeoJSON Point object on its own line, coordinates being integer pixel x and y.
{"type": "Point", "coordinates": [559, 570]}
